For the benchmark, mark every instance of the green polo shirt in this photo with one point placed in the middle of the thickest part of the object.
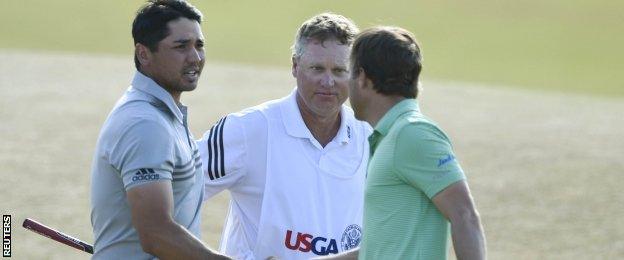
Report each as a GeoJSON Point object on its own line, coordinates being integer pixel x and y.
{"type": "Point", "coordinates": [411, 161]}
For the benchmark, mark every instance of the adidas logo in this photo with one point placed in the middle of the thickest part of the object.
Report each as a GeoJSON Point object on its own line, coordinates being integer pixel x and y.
{"type": "Point", "coordinates": [145, 175]}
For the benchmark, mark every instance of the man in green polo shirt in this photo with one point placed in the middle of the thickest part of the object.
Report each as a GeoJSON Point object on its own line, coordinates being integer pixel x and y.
{"type": "Point", "coordinates": [415, 185]}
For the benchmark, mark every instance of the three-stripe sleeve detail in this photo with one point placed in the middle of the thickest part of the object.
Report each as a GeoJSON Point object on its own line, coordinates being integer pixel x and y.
{"type": "Point", "coordinates": [187, 170]}
{"type": "Point", "coordinates": [221, 153]}
{"type": "Point", "coordinates": [216, 158]}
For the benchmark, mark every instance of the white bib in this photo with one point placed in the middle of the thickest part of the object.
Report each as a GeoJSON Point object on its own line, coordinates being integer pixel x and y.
{"type": "Point", "coordinates": [306, 211]}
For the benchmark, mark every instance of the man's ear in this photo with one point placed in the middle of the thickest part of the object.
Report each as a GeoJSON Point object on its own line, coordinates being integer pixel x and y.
{"type": "Point", "coordinates": [143, 54]}
{"type": "Point", "coordinates": [294, 66]}
{"type": "Point", "coordinates": [363, 80]}
{"type": "Point", "coordinates": [368, 82]}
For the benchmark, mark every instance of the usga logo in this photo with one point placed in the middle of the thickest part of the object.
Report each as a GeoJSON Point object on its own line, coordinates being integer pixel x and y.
{"type": "Point", "coordinates": [351, 238]}
{"type": "Point", "coordinates": [306, 243]}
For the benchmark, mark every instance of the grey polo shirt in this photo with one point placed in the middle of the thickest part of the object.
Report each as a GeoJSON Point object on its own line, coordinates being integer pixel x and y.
{"type": "Point", "coordinates": [144, 139]}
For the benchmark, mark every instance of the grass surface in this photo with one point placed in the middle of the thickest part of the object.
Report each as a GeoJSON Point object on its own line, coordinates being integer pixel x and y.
{"type": "Point", "coordinates": [570, 46]}
{"type": "Point", "coordinates": [545, 175]}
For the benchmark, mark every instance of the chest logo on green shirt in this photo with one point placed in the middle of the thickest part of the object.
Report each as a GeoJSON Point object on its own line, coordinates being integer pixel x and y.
{"type": "Point", "coordinates": [445, 160]}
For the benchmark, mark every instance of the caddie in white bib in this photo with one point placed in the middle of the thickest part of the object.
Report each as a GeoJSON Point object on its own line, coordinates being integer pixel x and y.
{"type": "Point", "coordinates": [307, 211]}
{"type": "Point", "coordinates": [294, 167]}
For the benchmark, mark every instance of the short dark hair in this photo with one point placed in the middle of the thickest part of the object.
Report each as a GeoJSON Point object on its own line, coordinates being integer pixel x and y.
{"type": "Point", "coordinates": [390, 57]}
{"type": "Point", "coordinates": [322, 27]}
{"type": "Point", "coordinates": [150, 24]}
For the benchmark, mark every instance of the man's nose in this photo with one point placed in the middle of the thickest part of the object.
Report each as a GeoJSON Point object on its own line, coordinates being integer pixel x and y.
{"type": "Point", "coordinates": [328, 80]}
{"type": "Point", "coordinates": [195, 55]}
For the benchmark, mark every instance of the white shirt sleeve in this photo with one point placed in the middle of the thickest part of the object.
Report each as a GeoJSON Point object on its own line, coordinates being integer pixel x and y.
{"type": "Point", "coordinates": [143, 153]}
{"type": "Point", "coordinates": [223, 152]}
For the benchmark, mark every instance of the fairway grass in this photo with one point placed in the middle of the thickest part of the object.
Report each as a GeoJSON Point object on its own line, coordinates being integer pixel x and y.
{"type": "Point", "coordinates": [545, 168]}
{"type": "Point", "coordinates": [558, 45]}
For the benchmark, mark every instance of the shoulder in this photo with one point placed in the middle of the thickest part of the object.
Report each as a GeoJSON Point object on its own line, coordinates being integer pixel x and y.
{"type": "Point", "coordinates": [253, 115]}
{"type": "Point", "coordinates": [129, 110]}
{"type": "Point", "coordinates": [423, 155]}
{"type": "Point", "coordinates": [138, 140]}
{"type": "Point", "coordinates": [420, 141]}
{"type": "Point", "coordinates": [417, 128]}
{"type": "Point", "coordinates": [132, 126]}
{"type": "Point", "coordinates": [415, 138]}
{"type": "Point", "coordinates": [235, 130]}
{"type": "Point", "coordinates": [147, 132]}
{"type": "Point", "coordinates": [250, 117]}
{"type": "Point", "coordinates": [136, 116]}
{"type": "Point", "coordinates": [224, 148]}
{"type": "Point", "coordinates": [239, 124]}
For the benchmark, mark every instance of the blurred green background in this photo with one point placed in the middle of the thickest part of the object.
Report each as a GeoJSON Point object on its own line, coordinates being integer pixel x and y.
{"type": "Point", "coordinates": [560, 45]}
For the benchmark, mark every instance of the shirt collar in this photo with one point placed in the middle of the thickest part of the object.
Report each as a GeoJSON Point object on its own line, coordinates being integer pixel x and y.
{"type": "Point", "coordinates": [346, 129]}
{"type": "Point", "coordinates": [296, 127]}
{"type": "Point", "coordinates": [407, 105]}
{"type": "Point", "coordinates": [149, 86]}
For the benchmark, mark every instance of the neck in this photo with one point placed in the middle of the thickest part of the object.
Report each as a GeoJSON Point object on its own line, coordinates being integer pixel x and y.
{"type": "Point", "coordinates": [379, 107]}
{"type": "Point", "coordinates": [174, 94]}
{"type": "Point", "coordinates": [324, 129]}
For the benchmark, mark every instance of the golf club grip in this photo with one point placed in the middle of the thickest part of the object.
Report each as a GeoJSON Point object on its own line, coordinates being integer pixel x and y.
{"type": "Point", "coordinates": [56, 235]}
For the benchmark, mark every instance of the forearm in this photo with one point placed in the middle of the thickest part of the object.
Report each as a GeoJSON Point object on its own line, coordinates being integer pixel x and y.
{"type": "Point", "coordinates": [172, 241]}
{"type": "Point", "coordinates": [468, 239]}
{"type": "Point", "coordinates": [348, 255]}
{"type": "Point", "coordinates": [456, 204]}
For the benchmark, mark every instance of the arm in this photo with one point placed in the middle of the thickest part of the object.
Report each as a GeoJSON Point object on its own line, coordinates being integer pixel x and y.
{"type": "Point", "coordinates": [456, 204]}
{"type": "Point", "coordinates": [145, 147]}
{"type": "Point", "coordinates": [152, 208]}
{"type": "Point", "coordinates": [223, 152]}
{"type": "Point", "coordinates": [429, 164]}
{"type": "Point", "coordinates": [348, 255]}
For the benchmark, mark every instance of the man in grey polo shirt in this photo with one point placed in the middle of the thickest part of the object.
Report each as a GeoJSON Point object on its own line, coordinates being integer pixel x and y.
{"type": "Point", "coordinates": [146, 183]}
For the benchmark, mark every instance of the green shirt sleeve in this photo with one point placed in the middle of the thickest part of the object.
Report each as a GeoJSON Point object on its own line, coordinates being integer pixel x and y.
{"type": "Point", "coordinates": [424, 158]}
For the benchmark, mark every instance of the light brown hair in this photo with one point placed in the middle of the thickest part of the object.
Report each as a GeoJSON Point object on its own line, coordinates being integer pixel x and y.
{"type": "Point", "coordinates": [322, 27]}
